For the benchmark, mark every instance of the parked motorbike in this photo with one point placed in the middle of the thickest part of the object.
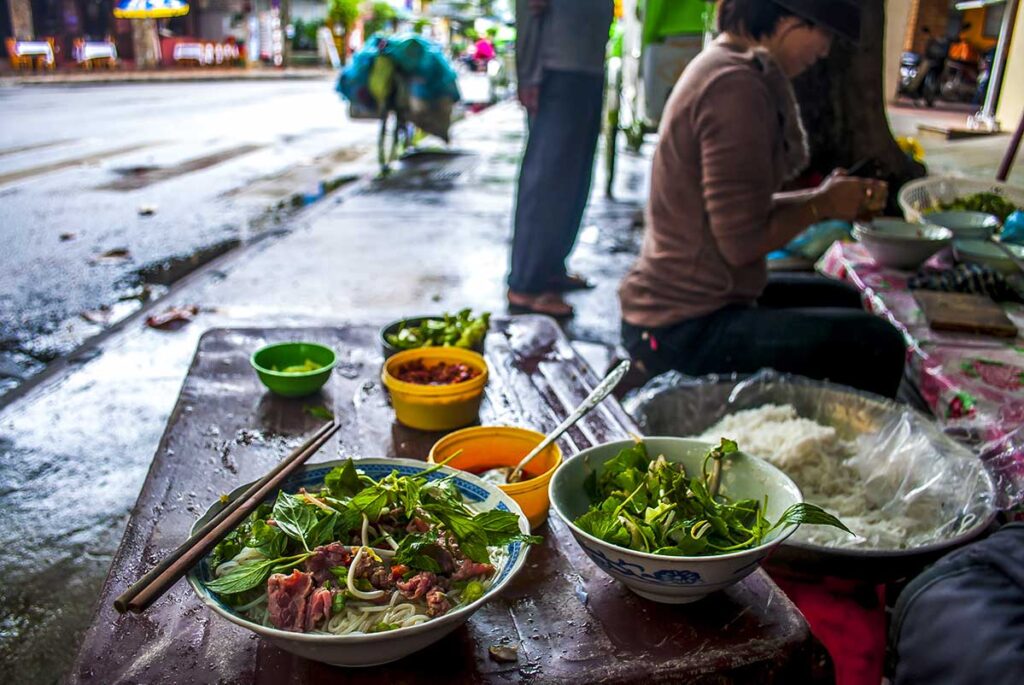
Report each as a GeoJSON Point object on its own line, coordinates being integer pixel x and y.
{"type": "Point", "coordinates": [959, 79]}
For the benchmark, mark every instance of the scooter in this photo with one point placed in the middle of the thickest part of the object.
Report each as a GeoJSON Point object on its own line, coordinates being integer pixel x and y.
{"type": "Point", "coordinates": [920, 75]}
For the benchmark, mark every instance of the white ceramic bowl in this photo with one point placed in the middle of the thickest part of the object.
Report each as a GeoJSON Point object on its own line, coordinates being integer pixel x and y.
{"type": "Point", "coordinates": [901, 245]}
{"type": "Point", "coordinates": [987, 253]}
{"type": "Point", "coordinates": [376, 648]}
{"type": "Point", "coordinates": [966, 225]}
{"type": "Point", "coordinates": [675, 580]}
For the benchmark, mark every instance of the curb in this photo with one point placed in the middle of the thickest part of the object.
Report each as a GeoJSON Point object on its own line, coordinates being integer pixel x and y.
{"type": "Point", "coordinates": [107, 78]}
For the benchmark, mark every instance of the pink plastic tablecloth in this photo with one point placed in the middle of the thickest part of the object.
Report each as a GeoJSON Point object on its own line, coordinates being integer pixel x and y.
{"type": "Point", "coordinates": [973, 384]}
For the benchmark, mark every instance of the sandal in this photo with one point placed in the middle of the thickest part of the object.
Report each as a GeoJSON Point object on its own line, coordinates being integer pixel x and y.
{"type": "Point", "coordinates": [571, 282]}
{"type": "Point", "coordinates": [549, 303]}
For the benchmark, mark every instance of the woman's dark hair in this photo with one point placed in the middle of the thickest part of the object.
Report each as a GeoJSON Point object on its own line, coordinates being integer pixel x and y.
{"type": "Point", "coordinates": [755, 18]}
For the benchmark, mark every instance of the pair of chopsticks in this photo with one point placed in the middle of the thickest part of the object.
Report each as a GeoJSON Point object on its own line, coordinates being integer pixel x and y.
{"type": "Point", "coordinates": [161, 577]}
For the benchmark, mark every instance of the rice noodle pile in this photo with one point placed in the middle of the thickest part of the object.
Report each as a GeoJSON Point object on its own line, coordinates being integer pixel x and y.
{"type": "Point", "coordinates": [824, 467]}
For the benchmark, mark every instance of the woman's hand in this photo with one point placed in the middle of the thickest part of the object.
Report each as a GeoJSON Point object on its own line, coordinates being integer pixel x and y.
{"type": "Point", "coordinates": [850, 198]}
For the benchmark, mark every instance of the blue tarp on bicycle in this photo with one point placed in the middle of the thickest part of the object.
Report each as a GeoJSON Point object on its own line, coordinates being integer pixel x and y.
{"type": "Point", "coordinates": [414, 79]}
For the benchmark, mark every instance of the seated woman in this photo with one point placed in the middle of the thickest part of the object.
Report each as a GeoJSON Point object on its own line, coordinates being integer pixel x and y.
{"type": "Point", "coordinates": [699, 298]}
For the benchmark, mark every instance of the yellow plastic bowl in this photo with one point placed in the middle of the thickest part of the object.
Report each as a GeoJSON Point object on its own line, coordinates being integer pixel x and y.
{"type": "Point", "coordinates": [436, 407]}
{"type": "Point", "coordinates": [487, 447]}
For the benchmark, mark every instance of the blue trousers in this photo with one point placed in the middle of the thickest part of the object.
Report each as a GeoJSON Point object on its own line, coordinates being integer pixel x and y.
{"type": "Point", "coordinates": [555, 177]}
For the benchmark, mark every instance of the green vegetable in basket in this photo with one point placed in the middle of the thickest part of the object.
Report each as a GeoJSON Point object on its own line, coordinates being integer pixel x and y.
{"type": "Point", "coordinates": [989, 203]}
{"type": "Point", "coordinates": [654, 506]}
{"type": "Point", "coordinates": [458, 330]}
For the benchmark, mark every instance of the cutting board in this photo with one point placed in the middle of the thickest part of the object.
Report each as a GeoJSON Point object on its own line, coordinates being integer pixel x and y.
{"type": "Point", "coordinates": [965, 313]}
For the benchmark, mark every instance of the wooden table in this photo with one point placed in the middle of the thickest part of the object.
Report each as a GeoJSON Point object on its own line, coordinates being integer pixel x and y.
{"type": "Point", "coordinates": [572, 622]}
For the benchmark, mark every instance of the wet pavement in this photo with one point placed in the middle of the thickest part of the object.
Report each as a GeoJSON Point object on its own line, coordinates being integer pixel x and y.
{"type": "Point", "coordinates": [76, 448]}
{"type": "Point", "coordinates": [435, 236]}
{"type": "Point", "coordinates": [109, 193]}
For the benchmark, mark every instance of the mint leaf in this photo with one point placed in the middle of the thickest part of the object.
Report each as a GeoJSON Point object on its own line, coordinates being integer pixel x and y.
{"type": "Point", "coordinates": [267, 539]}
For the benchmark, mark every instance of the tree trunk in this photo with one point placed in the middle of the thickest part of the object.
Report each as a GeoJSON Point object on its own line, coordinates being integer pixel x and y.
{"type": "Point", "coordinates": [843, 108]}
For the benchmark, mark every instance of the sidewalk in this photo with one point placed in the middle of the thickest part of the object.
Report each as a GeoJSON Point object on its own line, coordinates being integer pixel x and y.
{"type": "Point", "coordinates": [433, 237]}
{"type": "Point", "coordinates": [73, 78]}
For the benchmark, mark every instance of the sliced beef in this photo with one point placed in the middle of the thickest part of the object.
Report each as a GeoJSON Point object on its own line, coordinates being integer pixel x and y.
{"type": "Point", "coordinates": [418, 586]}
{"type": "Point", "coordinates": [319, 609]}
{"type": "Point", "coordinates": [373, 570]}
{"type": "Point", "coordinates": [417, 525]}
{"type": "Point", "coordinates": [442, 556]}
{"type": "Point", "coordinates": [471, 569]}
{"type": "Point", "coordinates": [437, 603]}
{"type": "Point", "coordinates": [286, 599]}
{"type": "Point", "coordinates": [325, 558]}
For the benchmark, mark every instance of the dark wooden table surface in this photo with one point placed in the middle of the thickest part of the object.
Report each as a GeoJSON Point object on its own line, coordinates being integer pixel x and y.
{"type": "Point", "coordinates": [573, 624]}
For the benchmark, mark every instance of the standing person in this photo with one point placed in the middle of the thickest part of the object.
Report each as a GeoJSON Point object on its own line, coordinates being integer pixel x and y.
{"type": "Point", "coordinates": [560, 57]}
{"type": "Point", "coordinates": [699, 298]}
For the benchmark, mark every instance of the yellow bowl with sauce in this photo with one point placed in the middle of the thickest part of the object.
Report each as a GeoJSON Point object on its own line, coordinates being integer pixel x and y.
{"type": "Point", "coordinates": [487, 447]}
{"type": "Point", "coordinates": [435, 407]}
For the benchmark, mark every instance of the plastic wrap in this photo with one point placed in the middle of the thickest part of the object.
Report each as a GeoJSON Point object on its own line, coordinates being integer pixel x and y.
{"type": "Point", "coordinates": [908, 467]}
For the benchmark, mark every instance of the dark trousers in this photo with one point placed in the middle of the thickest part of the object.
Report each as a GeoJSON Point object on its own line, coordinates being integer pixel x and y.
{"type": "Point", "coordinates": [554, 180]}
{"type": "Point", "coordinates": [802, 324]}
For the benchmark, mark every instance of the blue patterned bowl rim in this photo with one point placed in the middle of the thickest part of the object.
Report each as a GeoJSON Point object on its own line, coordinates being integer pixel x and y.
{"type": "Point", "coordinates": [474, 490]}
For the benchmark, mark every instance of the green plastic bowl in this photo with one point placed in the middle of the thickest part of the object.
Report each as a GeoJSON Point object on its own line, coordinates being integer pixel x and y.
{"type": "Point", "coordinates": [283, 355]}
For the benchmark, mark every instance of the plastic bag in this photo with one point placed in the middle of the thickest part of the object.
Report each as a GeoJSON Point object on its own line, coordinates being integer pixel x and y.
{"type": "Point", "coordinates": [908, 467]}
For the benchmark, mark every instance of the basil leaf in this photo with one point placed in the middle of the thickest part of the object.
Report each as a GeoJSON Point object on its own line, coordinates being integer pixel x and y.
{"type": "Point", "coordinates": [243, 578]}
{"type": "Point", "coordinates": [419, 552]}
{"type": "Point", "coordinates": [269, 540]}
{"type": "Point", "coordinates": [295, 518]}
{"type": "Point", "coordinates": [502, 527]}
{"type": "Point", "coordinates": [343, 481]}
{"type": "Point", "coordinates": [370, 502]}
{"type": "Point", "coordinates": [471, 537]}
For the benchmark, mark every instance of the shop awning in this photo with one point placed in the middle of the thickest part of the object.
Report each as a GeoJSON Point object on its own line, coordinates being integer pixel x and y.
{"type": "Point", "coordinates": [150, 9]}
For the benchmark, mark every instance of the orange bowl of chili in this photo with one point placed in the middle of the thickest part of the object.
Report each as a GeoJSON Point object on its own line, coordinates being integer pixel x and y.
{"type": "Point", "coordinates": [435, 388]}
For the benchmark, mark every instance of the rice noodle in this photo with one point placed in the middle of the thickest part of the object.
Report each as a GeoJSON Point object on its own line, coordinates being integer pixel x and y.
{"type": "Point", "coordinates": [823, 465]}
{"type": "Point", "coordinates": [363, 614]}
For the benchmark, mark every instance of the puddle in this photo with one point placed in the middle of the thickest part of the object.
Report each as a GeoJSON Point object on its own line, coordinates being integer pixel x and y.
{"type": "Point", "coordinates": [137, 177]}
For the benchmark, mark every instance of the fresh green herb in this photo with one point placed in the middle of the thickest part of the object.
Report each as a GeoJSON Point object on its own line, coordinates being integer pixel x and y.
{"type": "Point", "coordinates": [296, 518]}
{"type": "Point", "coordinates": [474, 591]}
{"type": "Point", "coordinates": [287, 532]}
{"type": "Point", "coordinates": [459, 330]}
{"type": "Point", "coordinates": [343, 481]}
{"type": "Point", "coordinates": [383, 627]}
{"type": "Point", "coordinates": [654, 506]}
{"type": "Point", "coordinates": [989, 203]}
{"type": "Point", "coordinates": [320, 412]}
{"type": "Point", "coordinates": [248, 576]}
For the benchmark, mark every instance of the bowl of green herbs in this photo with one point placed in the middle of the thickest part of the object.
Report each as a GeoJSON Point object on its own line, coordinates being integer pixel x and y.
{"type": "Point", "coordinates": [677, 519]}
{"type": "Point", "coordinates": [462, 329]}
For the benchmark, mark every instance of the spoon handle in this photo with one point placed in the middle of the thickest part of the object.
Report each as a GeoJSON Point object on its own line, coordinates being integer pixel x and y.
{"type": "Point", "coordinates": [602, 390]}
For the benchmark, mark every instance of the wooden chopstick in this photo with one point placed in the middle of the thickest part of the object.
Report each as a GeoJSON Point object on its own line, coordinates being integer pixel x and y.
{"type": "Point", "coordinates": [161, 577]}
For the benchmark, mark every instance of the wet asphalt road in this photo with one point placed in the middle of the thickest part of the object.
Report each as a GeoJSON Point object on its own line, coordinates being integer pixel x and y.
{"type": "Point", "coordinates": [109, 193]}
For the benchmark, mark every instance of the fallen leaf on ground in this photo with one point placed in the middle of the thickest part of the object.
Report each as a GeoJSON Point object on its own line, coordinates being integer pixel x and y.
{"type": "Point", "coordinates": [320, 412]}
{"type": "Point", "coordinates": [172, 318]}
{"type": "Point", "coordinates": [504, 653]}
{"type": "Point", "coordinates": [117, 254]}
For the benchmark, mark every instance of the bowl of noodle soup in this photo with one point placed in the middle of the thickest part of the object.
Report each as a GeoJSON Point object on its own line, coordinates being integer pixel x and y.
{"type": "Point", "coordinates": [348, 638]}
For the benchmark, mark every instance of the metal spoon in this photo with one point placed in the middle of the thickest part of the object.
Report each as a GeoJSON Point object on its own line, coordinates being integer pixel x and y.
{"type": "Point", "coordinates": [508, 474]}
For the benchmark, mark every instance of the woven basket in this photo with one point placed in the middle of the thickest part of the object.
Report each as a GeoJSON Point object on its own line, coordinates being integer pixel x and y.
{"type": "Point", "coordinates": [927, 194]}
